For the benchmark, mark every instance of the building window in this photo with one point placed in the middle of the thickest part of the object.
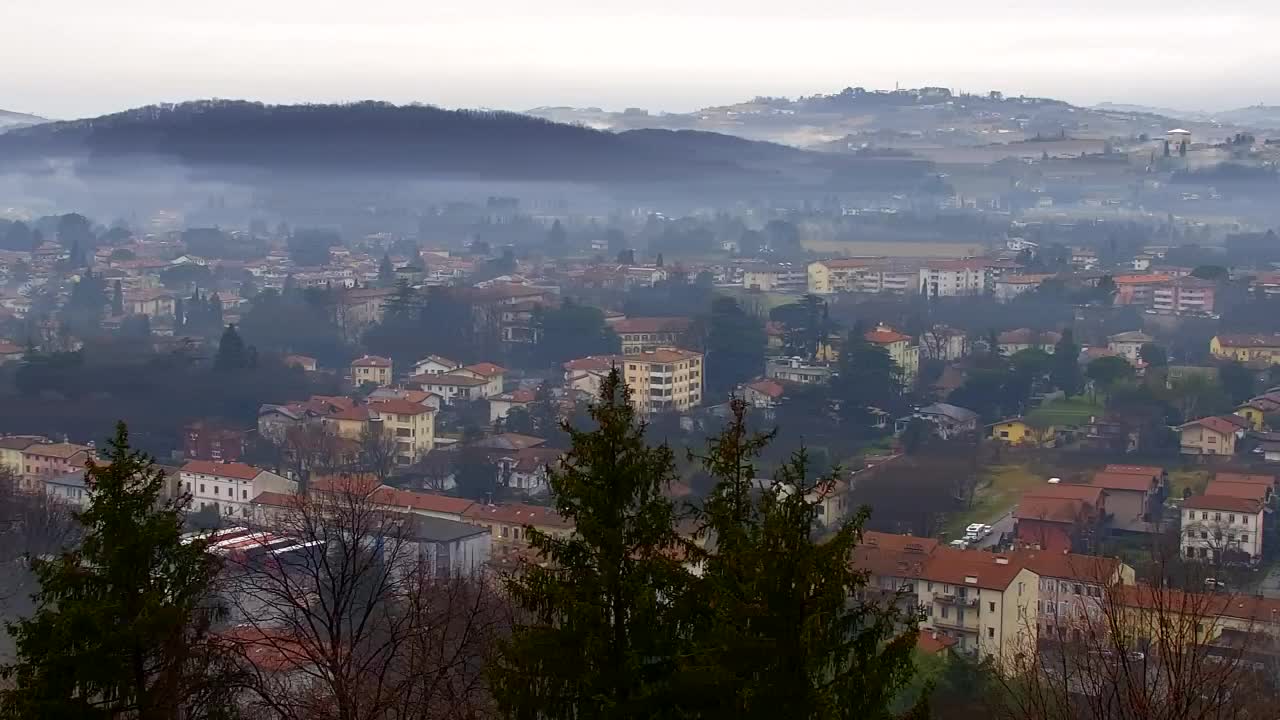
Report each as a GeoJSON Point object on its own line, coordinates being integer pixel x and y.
{"type": "Point", "coordinates": [244, 494]}
{"type": "Point", "coordinates": [1231, 518]}
{"type": "Point", "coordinates": [1245, 519]}
{"type": "Point", "coordinates": [1244, 537]}
{"type": "Point", "coordinates": [215, 489]}
{"type": "Point", "coordinates": [505, 531]}
{"type": "Point", "coordinates": [991, 632]}
{"type": "Point", "coordinates": [201, 487]}
{"type": "Point", "coordinates": [991, 606]}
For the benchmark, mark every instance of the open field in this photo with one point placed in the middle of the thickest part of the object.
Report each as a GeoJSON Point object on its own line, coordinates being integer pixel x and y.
{"type": "Point", "coordinates": [1073, 411]}
{"type": "Point", "coordinates": [999, 489]}
{"type": "Point", "coordinates": [1180, 480]}
{"type": "Point", "coordinates": [904, 248]}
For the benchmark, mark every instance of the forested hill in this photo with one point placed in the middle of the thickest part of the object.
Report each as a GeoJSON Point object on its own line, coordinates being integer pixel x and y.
{"type": "Point", "coordinates": [416, 140]}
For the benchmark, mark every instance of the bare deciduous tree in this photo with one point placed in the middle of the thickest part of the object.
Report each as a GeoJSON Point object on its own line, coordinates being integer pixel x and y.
{"type": "Point", "coordinates": [356, 624]}
{"type": "Point", "coordinates": [1148, 652]}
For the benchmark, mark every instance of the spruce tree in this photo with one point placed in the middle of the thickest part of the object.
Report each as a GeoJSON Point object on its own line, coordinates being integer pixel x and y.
{"type": "Point", "coordinates": [386, 271]}
{"type": "Point", "coordinates": [232, 354]}
{"type": "Point", "coordinates": [598, 636]}
{"type": "Point", "coordinates": [117, 299]}
{"type": "Point", "coordinates": [121, 624]}
{"type": "Point", "coordinates": [782, 633]}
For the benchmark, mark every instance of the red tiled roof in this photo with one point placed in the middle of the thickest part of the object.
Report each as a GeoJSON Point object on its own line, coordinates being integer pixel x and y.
{"type": "Point", "coordinates": [1243, 478]}
{"type": "Point", "coordinates": [652, 325]}
{"type": "Point", "coordinates": [239, 471]}
{"type": "Point", "coordinates": [1216, 424]}
{"type": "Point", "coordinates": [892, 555]}
{"type": "Point", "coordinates": [361, 485]}
{"type": "Point", "coordinates": [425, 501]}
{"type": "Point", "coordinates": [1027, 336]}
{"type": "Point", "coordinates": [958, 567]}
{"type": "Point", "coordinates": [355, 413]}
{"type": "Point", "coordinates": [593, 363]}
{"type": "Point", "coordinates": [1148, 470]}
{"type": "Point", "coordinates": [1067, 566]}
{"type": "Point", "coordinates": [1249, 340]}
{"type": "Point", "coordinates": [1222, 502]}
{"type": "Point", "coordinates": [1140, 279]}
{"type": "Point", "coordinates": [1123, 481]}
{"type": "Point", "coordinates": [399, 407]}
{"type": "Point", "coordinates": [771, 388]}
{"type": "Point", "coordinates": [885, 337]}
{"type": "Point", "coordinates": [1050, 509]}
{"type": "Point", "coordinates": [517, 514]}
{"type": "Point", "coordinates": [371, 361]}
{"type": "Point", "coordinates": [1209, 606]}
{"type": "Point", "coordinates": [932, 642]}
{"type": "Point", "coordinates": [275, 499]}
{"type": "Point", "coordinates": [1091, 494]}
{"type": "Point", "coordinates": [1244, 490]}
{"type": "Point", "coordinates": [486, 369]}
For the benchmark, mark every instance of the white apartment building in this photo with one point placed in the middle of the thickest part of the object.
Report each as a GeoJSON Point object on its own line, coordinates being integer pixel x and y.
{"type": "Point", "coordinates": [229, 488]}
{"type": "Point", "coordinates": [775, 278]}
{"type": "Point", "coordinates": [949, 278]}
{"type": "Point", "coordinates": [1219, 527]}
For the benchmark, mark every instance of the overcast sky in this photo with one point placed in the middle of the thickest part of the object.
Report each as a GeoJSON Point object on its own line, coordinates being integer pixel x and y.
{"type": "Point", "coordinates": [71, 58]}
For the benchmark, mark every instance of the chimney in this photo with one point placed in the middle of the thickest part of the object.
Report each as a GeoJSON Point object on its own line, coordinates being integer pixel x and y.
{"type": "Point", "coordinates": [1002, 560]}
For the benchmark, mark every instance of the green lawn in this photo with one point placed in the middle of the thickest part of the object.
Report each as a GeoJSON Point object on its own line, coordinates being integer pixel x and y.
{"type": "Point", "coordinates": [999, 489]}
{"type": "Point", "coordinates": [1074, 411]}
{"type": "Point", "coordinates": [1179, 480]}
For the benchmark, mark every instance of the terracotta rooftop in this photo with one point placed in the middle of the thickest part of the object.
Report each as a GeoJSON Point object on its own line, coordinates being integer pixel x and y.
{"type": "Point", "coordinates": [398, 406]}
{"type": "Point", "coordinates": [1243, 490]}
{"type": "Point", "coordinates": [516, 514]}
{"type": "Point", "coordinates": [1123, 481]}
{"type": "Point", "coordinates": [1067, 566]}
{"type": "Point", "coordinates": [970, 568]}
{"type": "Point", "coordinates": [1243, 478]}
{"type": "Point", "coordinates": [1222, 502]}
{"type": "Point", "coordinates": [1050, 509]}
{"type": "Point", "coordinates": [239, 471]}
{"type": "Point", "coordinates": [652, 325]}
{"type": "Point", "coordinates": [1247, 340]}
{"type": "Point", "coordinates": [486, 369]}
{"type": "Point", "coordinates": [371, 361]}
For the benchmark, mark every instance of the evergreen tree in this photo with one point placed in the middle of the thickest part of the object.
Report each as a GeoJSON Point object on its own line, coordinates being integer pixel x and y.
{"type": "Point", "coordinates": [1065, 373]}
{"type": "Point", "coordinates": [121, 626]}
{"type": "Point", "coordinates": [557, 239]}
{"type": "Point", "coordinates": [386, 272]}
{"type": "Point", "coordinates": [215, 312]}
{"type": "Point", "coordinates": [117, 299]}
{"type": "Point", "coordinates": [598, 636]}
{"type": "Point", "coordinates": [867, 378]}
{"type": "Point", "coordinates": [179, 314]}
{"type": "Point", "coordinates": [232, 354]}
{"type": "Point", "coordinates": [779, 636]}
{"type": "Point", "coordinates": [734, 348]}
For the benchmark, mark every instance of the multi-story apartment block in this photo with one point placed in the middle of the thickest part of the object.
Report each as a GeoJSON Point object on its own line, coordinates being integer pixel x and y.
{"type": "Point", "coordinates": [984, 601]}
{"type": "Point", "coordinates": [1224, 524]}
{"type": "Point", "coordinates": [1183, 295]}
{"type": "Point", "coordinates": [411, 424]}
{"type": "Point", "coordinates": [838, 275]}
{"type": "Point", "coordinates": [1138, 289]}
{"type": "Point", "coordinates": [45, 460]}
{"type": "Point", "coordinates": [641, 334]}
{"type": "Point", "coordinates": [900, 347]}
{"type": "Point", "coordinates": [948, 278]}
{"type": "Point", "coordinates": [775, 278]}
{"type": "Point", "coordinates": [664, 379]}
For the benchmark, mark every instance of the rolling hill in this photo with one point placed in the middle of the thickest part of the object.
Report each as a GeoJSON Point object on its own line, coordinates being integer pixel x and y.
{"type": "Point", "coordinates": [420, 142]}
{"type": "Point", "coordinates": [10, 120]}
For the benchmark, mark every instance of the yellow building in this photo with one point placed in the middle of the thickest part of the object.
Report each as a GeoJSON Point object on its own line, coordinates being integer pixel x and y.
{"type": "Point", "coordinates": [1210, 435]}
{"type": "Point", "coordinates": [1017, 431]}
{"type": "Point", "coordinates": [411, 424]}
{"type": "Point", "coordinates": [663, 379]}
{"type": "Point", "coordinates": [900, 347]}
{"type": "Point", "coordinates": [839, 275]}
{"type": "Point", "coordinates": [371, 368]}
{"type": "Point", "coordinates": [1246, 348]}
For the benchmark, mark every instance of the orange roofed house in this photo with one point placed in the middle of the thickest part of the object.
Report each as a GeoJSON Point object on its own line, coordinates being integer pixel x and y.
{"type": "Point", "coordinates": [1060, 518]}
{"type": "Point", "coordinates": [228, 488]}
{"type": "Point", "coordinates": [371, 368]}
{"type": "Point", "coordinates": [650, 333]}
{"type": "Point", "coordinates": [1227, 521]}
{"type": "Point", "coordinates": [1214, 435]}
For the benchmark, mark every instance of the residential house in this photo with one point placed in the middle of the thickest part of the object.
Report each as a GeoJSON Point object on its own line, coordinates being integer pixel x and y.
{"type": "Point", "coordinates": [1246, 348]}
{"type": "Point", "coordinates": [1222, 527]}
{"type": "Point", "coordinates": [524, 470]}
{"type": "Point", "coordinates": [69, 488]}
{"type": "Point", "coordinates": [371, 369]}
{"type": "Point", "coordinates": [1134, 500]}
{"type": "Point", "coordinates": [797, 371]}
{"type": "Point", "coordinates": [1138, 289]}
{"type": "Point", "coordinates": [948, 420]}
{"type": "Point", "coordinates": [422, 503]}
{"type": "Point", "coordinates": [348, 423]}
{"type": "Point", "coordinates": [1017, 431]}
{"type": "Point", "coordinates": [509, 522]}
{"type": "Point", "coordinates": [435, 365]}
{"type": "Point", "coordinates": [587, 374]}
{"type": "Point", "coordinates": [229, 488]}
{"type": "Point", "coordinates": [500, 405]}
{"type": "Point", "coordinates": [11, 448]}
{"type": "Point", "coordinates": [1257, 409]}
{"type": "Point", "coordinates": [42, 460]}
{"type": "Point", "coordinates": [362, 307]}
{"type": "Point", "coordinates": [643, 334]}
{"type": "Point", "coordinates": [763, 393]}
{"type": "Point", "coordinates": [308, 364]}
{"type": "Point", "coordinates": [1128, 345]}
{"type": "Point", "coordinates": [1212, 435]}
{"type": "Point", "coordinates": [1060, 518]}
{"type": "Point", "coordinates": [901, 348]}
{"type": "Point", "coordinates": [411, 424]}
{"type": "Point", "coordinates": [493, 375]}
{"type": "Point", "coordinates": [1011, 286]}
{"type": "Point", "coordinates": [944, 343]}
{"type": "Point", "coordinates": [839, 275]}
{"type": "Point", "coordinates": [452, 387]}
{"type": "Point", "coordinates": [206, 440]}
{"type": "Point", "coordinates": [1013, 341]}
